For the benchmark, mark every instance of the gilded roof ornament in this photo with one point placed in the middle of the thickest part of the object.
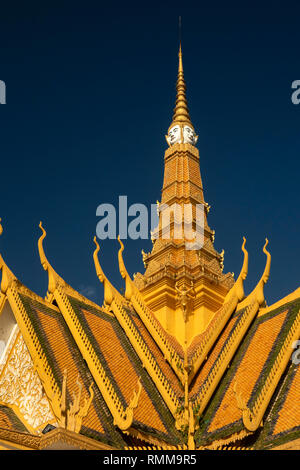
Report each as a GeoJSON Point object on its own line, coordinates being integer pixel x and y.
{"type": "Point", "coordinates": [181, 111]}
{"type": "Point", "coordinates": [53, 277]}
{"type": "Point", "coordinates": [258, 292]}
{"type": "Point", "coordinates": [110, 292]}
{"type": "Point", "coordinates": [238, 287]}
{"type": "Point", "coordinates": [181, 130]}
{"type": "Point", "coordinates": [71, 416]}
{"type": "Point", "coordinates": [130, 287]}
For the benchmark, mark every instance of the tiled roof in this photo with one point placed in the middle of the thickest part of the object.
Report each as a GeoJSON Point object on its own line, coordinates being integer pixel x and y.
{"type": "Point", "coordinates": [248, 371]}
{"type": "Point", "coordinates": [282, 423]}
{"type": "Point", "coordinates": [222, 417]}
{"type": "Point", "coordinates": [9, 420]}
{"type": "Point", "coordinates": [124, 368]}
{"type": "Point", "coordinates": [212, 357]}
{"type": "Point", "coordinates": [62, 354]}
{"type": "Point", "coordinates": [199, 338]}
{"type": "Point", "coordinates": [164, 366]}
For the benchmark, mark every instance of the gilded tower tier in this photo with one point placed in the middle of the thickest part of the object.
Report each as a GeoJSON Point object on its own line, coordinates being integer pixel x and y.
{"type": "Point", "coordinates": [183, 282]}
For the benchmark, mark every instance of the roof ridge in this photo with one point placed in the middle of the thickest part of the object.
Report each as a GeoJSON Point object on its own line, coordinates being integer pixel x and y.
{"type": "Point", "coordinates": [225, 356]}
{"type": "Point", "coordinates": [253, 417]}
{"type": "Point", "coordinates": [123, 417]}
{"type": "Point", "coordinates": [153, 326]}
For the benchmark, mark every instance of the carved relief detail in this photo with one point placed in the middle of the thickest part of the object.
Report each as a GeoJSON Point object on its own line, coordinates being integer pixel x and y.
{"type": "Point", "coordinates": [20, 386]}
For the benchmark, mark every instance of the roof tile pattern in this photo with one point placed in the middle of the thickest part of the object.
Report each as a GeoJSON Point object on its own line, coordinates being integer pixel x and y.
{"type": "Point", "coordinates": [212, 357]}
{"type": "Point", "coordinates": [289, 413]}
{"type": "Point", "coordinates": [124, 369]}
{"type": "Point", "coordinates": [249, 370]}
{"type": "Point", "coordinates": [62, 354]}
{"type": "Point", "coordinates": [162, 363]}
{"type": "Point", "coordinates": [222, 418]}
{"type": "Point", "coordinates": [199, 338]}
{"type": "Point", "coordinates": [283, 421]}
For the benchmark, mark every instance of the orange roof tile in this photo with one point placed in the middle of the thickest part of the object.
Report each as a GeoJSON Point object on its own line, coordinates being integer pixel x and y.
{"type": "Point", "coordinates": [248, 371]}
{"type": "Point", "coordinates": [212, 357]}
{"type": "Point", "coordinates": [289, 413]}
{"type": "Point", "coordinates": [163, 364]}
{"type": "Point", "coordinates": [124, 369]}
{"type": "Point", "coordinates": [62, 353]}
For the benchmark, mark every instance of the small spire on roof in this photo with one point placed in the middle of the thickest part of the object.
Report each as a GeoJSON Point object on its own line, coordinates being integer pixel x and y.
{"type": "Point", "coordinates": [181, 111]}
{"type": "Point", "coordinates": [181, 130]}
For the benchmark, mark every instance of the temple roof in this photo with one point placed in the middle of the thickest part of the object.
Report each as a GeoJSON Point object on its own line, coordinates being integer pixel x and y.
{"type": "Point", "coordinates": [184, 358]}
{"type": "Point", "coordinates": [54, 328]}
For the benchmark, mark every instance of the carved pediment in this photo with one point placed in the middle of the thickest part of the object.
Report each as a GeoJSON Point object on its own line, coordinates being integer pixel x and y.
{"type": "Point", "coordinates": [21, 387]}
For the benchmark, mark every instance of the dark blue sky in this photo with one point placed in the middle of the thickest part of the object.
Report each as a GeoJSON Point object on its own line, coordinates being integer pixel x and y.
{"type": "Point", "coordinates": [90, 94]}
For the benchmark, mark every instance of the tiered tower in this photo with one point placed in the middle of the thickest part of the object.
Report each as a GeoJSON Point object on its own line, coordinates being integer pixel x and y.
{"type": "Point", "coordinates": [183, 286]}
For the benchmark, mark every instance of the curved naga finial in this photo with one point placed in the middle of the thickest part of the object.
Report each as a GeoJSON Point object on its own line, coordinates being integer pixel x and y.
{"type": "Point", "coordinates": [267, 269]}
{"type": "Point", "coordinates": [7, 276]}
{"type": "Point", "coordinates": [238, 287]}
{"type": "Point", "coordinates": [109, 290]}
{"type": "Point", "coordinates": [98, 268]}
{"type": "Point", "coordinates": [122, 268]}
{"type": "Point", "coordinates": [43, 258]}
{"type": "Point", "coordinates": [53, 277]}
{"type": "Point", "coordinates": [129, 286]}
{"type": "Point", "coordinates": [259, 289]}
{"type": "Point", "coordinates": [258, 292]}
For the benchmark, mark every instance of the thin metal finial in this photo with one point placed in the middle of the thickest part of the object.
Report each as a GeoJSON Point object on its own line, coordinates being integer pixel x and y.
{"type": "Point", "coordinates": [180, 29]}
{"type": "Point", "coordinates": [181, 111]}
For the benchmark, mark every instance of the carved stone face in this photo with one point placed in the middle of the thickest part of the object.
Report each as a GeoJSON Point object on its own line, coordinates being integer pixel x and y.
{"type": "Point", "coordinates": [189, 136]}
{"type": "Point", "coordinates": [174, 136]}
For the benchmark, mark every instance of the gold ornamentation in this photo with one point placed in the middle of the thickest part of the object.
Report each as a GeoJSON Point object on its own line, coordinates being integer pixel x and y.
{"type": "Point", "coordinates": [110, 292]}
{"type": "Point", "coordinates": [20, 386]}
{"type": "Point", "coordinates": [258, 293]}
{"type": "Point", "coordinates": [53, 278]}
{"type": "Point", "coordinates": [181, 117]}
{"type": "Point", "coordinates": [238, 287]}
{"type": "Point", "coordinates": [185, 295]}
{"type": "Point", "coordinates": [181, 112]}
{"type": "Point", "coordinates": [132, 294]}
{"type": "Point", "coordinates": [146, 356]}
{"type": "Point", "coordinates": [123, 417]}
{"type": "Point", "coordinates": [72, 416]}
{"type": "Point", "coordinates": [235, 294]}
{"type": "Point", "coordinates": [252, 418]}
{"type": "Point", "coordinates": [225, 356]}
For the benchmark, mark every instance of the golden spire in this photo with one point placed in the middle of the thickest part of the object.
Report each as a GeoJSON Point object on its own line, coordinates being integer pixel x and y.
{"type": "Point", "coordinates": [181, 112]}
